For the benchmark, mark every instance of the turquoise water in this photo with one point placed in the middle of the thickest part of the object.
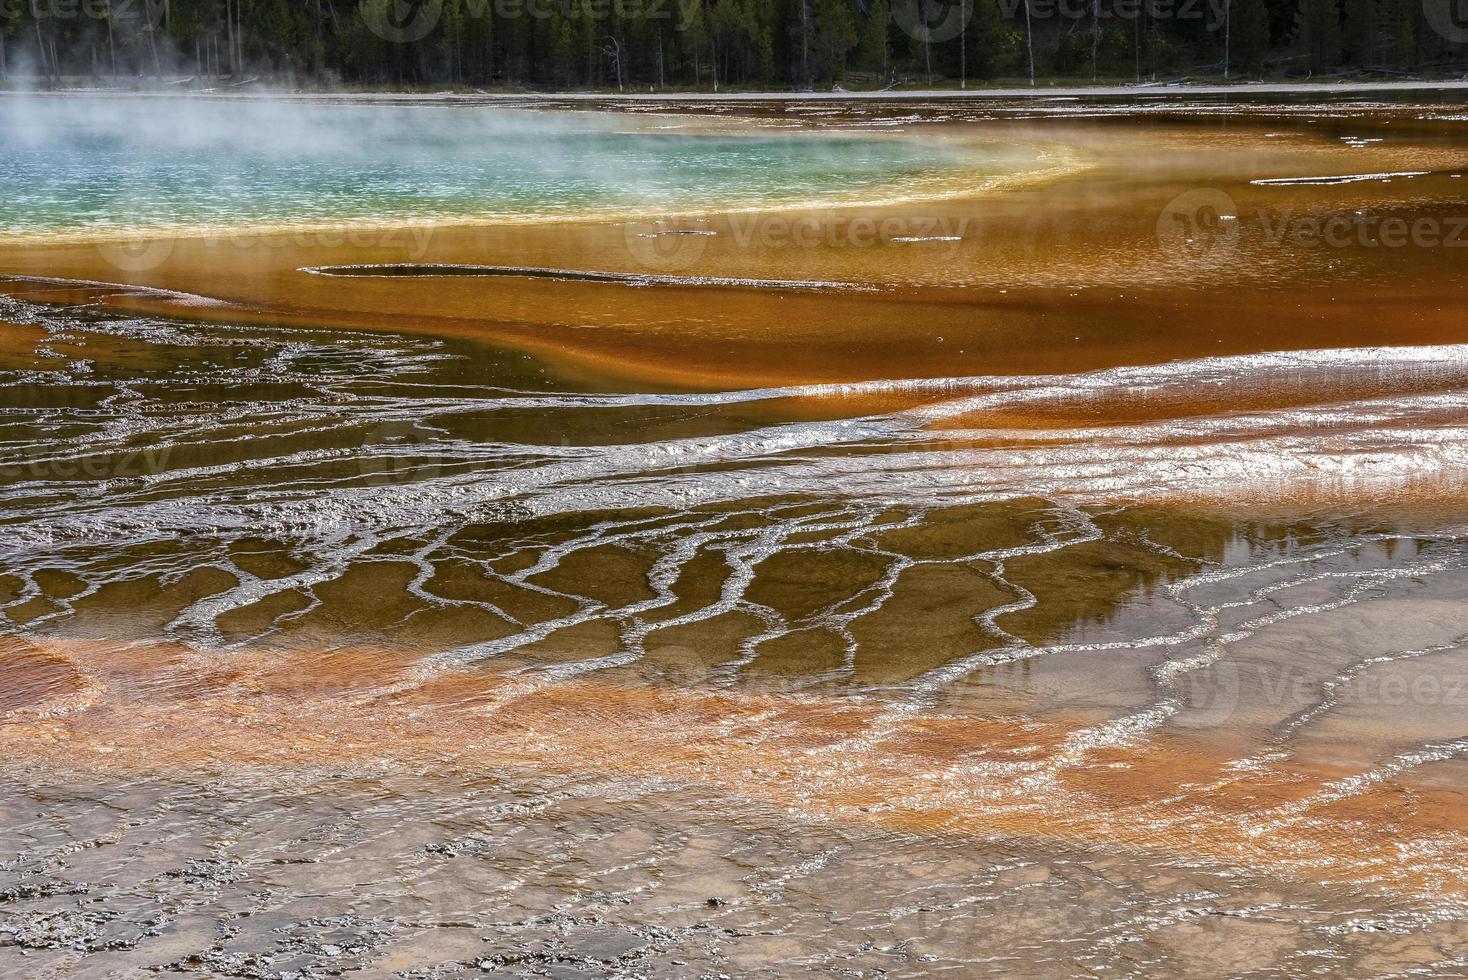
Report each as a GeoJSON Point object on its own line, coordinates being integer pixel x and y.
{"type": "Point", "coordinates": [74, 163]}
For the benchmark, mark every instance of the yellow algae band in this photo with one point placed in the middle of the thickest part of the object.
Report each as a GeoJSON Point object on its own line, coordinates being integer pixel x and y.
{"type": "Point", "coordinates": [1052, 161]}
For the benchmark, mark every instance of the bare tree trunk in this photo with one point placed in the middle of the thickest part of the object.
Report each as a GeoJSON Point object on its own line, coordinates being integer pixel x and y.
{"type": "Point", "coordinates": [805, 44]}
{"type": "Point", "coordinates": [229, 32]}
{"type": "Point", "coordinates": [41, 48]}
{"type": "Point", "coordinates": [927, 45]}
{"type": "Point", "coordinates": [1030, 42]}
{"type": "Point", "coordinates": [152, 41]}
{"type": "Point", "coordinates": [1137, 45]}
{"type": "Point", "coordinates": [1095, 34]}
{"type": "Point", "coordinates": [963, 47]}
{"type": "Point", "coordinates": [614, 51]}
{"type": "Point", "coordinates": [111, 41]}
{"type": "Point", "coordinates": [713, 46]}
{"type": "Point", "coordinates": [1228, 9]}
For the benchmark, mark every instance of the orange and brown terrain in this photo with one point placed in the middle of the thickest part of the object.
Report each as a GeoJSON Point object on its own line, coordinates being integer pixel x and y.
{"type": "Point", "coordinates": [1011, 537]}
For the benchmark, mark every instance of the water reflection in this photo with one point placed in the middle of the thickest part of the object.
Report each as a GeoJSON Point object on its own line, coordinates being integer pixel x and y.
{"type": "Point", "coordinates": [452, 626]}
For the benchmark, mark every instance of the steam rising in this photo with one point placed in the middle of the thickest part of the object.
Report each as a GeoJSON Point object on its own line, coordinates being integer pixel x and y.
{"type": "Point", "coordinates": [90, 162]}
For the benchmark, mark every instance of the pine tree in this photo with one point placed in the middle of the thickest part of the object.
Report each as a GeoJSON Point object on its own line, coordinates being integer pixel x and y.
{"type": "Point", "coordinates": [985, 37]}
{"type": "Point", "coordinates": [564, 52]}
{"type": "Point", "coordinates": [1400, 21]}
{"type": "Point", "coordinates": [1359, 37]}
{"type": "Point", "coordinates": [767, 43]}
{"type": "Point", "coordinates": [1318, 28]}
{"type": "Point", "coordinates": [832, 39]}
{"type": "Point", "coordinates": [876, 49]}
{"type": "Point", "coordinates": [695, 40]}
{"type": "Point", "coordinates": [453, 37]}
{"type": "Point", "coordinates": [1248, 35]}
{"type": "Point", "coordinates": [762, 21]}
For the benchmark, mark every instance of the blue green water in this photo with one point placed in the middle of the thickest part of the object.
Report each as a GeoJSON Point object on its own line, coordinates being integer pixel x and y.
{"type": "Point", "coordinates": [75, 163]}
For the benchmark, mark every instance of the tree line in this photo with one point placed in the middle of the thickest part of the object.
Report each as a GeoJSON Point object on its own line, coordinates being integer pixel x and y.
{"type": "Point", "coordinates": [724, 44]}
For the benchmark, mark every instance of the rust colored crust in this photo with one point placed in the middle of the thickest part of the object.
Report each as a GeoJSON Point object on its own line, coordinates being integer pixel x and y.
{"type": "Point", "coordinates": [158, 710]}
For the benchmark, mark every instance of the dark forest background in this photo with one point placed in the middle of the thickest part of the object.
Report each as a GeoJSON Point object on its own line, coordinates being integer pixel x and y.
{"type": "Point", "coordinates": [725, 44]}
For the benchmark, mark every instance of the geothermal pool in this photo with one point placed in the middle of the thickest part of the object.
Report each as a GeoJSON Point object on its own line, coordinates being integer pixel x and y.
{"type": "Point", "coordinates": [887, 538]}
{"type": "Point", "coordinates": [99, 163]}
